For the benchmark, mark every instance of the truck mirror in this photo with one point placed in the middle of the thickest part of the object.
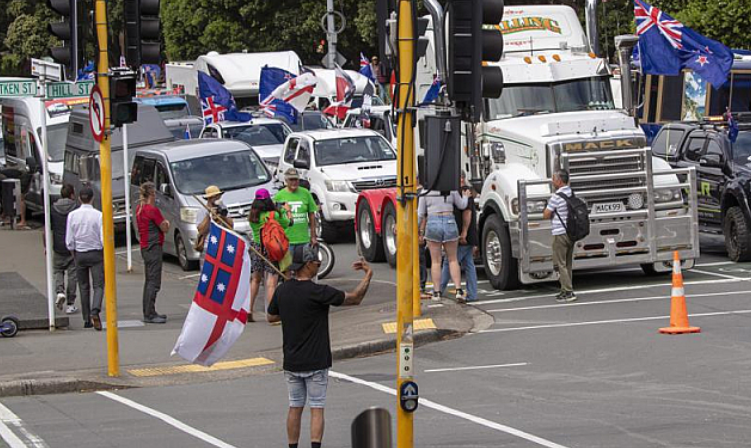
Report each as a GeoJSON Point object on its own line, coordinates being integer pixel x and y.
{"type": "Point", "coordinates": [32, 165]}
{"type": "Point", "coordinates": [165, 189]}
{"type": "Point", "coordinates": [301, 164]}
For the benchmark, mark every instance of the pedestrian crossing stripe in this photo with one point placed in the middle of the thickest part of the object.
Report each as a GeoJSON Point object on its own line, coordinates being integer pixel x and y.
{"type": "Point", "coordinates": [192, 368]}
{"type": "Point", "coordinates": [418, 324]}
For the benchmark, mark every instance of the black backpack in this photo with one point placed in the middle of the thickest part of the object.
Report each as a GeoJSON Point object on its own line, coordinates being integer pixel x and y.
{"type": "Point", "coordinates": [577, 221]}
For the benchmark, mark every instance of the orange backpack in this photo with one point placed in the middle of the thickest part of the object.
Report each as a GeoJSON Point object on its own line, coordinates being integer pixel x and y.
{"type": "Point", "coordinates": [274, 239]}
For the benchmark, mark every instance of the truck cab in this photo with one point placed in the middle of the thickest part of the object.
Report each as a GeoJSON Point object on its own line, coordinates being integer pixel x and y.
{"type": "Point", "coordinates": [265, 135]}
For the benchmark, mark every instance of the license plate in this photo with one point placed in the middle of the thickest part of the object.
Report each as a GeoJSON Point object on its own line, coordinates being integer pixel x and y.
{"type": "Point", "coordinates": [608, 207]}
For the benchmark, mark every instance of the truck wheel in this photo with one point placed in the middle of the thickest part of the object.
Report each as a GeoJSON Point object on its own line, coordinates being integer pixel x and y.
{"type": "Point", "coordinates": [501, 267]}
{"type": "Point", "coordinates": [182, 255]}
{"type": "Point", "coordinates": [649, 270]}
{"type": "Point", "coordinates": [736, 235]}
{"type": "Point", "coordinates": [388, 233]}
{"type": "Point", "coordinates": [368, 240]}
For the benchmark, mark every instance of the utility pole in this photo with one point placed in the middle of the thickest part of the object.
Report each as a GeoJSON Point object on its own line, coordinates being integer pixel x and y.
{"type": "Point", "coordinates": [331, 33]}
{"type": "Point", "coordinates": [105, 168]}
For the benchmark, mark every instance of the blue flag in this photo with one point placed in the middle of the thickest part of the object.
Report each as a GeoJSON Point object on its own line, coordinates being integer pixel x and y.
{"type": "Point", "coordinates": [271, 78]}
{"type": "Point", "coordinates": [216, 101]}
{"type": "Point", "coordinates": [365, 68]}
{"type": "Point", "coordinates": [432, 94]}
{"type": "Point", "coordinates": [666, 47]}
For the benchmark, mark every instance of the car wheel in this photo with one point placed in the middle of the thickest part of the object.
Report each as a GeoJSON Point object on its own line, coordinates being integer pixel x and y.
{"type": "Point", "coordinates": [388, 234]}
{"type": "Point", "coordinates": [182, 255]}
{"type": "Point", "coordinates": [736, 235]}
{"type": "Point", "coordinates": [368, 241]}
{"type": "Point", "coordinates": [11, 326]}
{"type": "Point", "coordinates": [326, 230]}
{"type": "Point", "coordinates": [326, 255]}
{"type": "Point", "coordinates": [501, 267]}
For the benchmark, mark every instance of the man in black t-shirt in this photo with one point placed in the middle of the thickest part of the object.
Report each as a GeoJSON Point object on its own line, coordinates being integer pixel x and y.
{"type": "Point", "coordinates": [303, 308]}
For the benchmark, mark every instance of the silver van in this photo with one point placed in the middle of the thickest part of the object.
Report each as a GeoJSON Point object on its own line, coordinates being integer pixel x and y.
{"type": "Point", "coordinates": [185, 168]}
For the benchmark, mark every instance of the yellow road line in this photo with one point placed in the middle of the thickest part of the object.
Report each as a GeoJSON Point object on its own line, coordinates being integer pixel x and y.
{"type": "Point", "coordinates": [419, 324]}
{"type": "Point", "coordinates": [192, 368]}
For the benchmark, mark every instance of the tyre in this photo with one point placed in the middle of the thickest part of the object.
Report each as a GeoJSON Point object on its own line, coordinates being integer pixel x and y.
{"type": "Point", "coordinates": [649, 270]}
{"type": "Point", "coordinates": [501, 267]}
{"type": "Point", "coordinates": [10, 325]}
{"type": "Point", "coordinates": [182, 255]}
{"type": "Point", "coordinates": [368, 241]}
{"type": "Point", "coordinates": [326, 230]}
{"type": "Point", "coordinates": [388, 233]}
{"type": "Point", "coordinates": [737, 235]}
{"type": "Point", "coordinates": [326, 255]}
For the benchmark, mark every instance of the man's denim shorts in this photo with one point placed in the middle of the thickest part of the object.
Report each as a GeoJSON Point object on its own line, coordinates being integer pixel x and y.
{"type": "Point", "coordinates": [302, 385]}
{"type": "Point", "coordinates": [441, 229]}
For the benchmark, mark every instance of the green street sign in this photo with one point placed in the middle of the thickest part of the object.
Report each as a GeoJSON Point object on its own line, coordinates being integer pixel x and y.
{"type": "Point", "coordinates": [69, 89]}
{"type": "Point", "coordinates": [18, 88]}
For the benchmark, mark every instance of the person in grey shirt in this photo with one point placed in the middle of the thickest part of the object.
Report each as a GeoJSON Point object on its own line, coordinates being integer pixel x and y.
{"type": "Point", "coordinates": [563, 247]}
{"type": "Point", "coordinates": [84, 239]}
{"type": "Point", "coordinates": [438, 227]}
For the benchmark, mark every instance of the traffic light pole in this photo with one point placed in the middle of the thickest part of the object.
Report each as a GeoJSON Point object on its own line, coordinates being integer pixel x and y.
{"type": "Point", "coordinates": [105, 168]}
{"type": "Point", "coordinates": [406, 217]}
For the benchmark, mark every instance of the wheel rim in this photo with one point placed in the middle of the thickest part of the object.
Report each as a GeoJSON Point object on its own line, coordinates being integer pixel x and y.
{"type": "Point", "coordinates": [389, 233]}
{"type": "Point", "coordinates": [319, 223]}
{"type": "Point", "coordinates": [493, 253]}
{"type": "Point", "coordinates": [323, 256]}
{"type": "Point", "coordinates": [181, 252]}
{"type": "Point", "coordinates": [365, 224]}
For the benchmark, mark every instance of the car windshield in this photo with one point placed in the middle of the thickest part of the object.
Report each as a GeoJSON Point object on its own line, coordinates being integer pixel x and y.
{"type": "Point", "coordinates": [172, 111]}
{"type": "Point", "coordinates": [57, 136]}
{"type": "Point", "coordinates": [742, 148]}
{"type": "Point", "coordinates": [310, 121]}
{"type": "Point", "coordinates": [352, 150]}
{"type": "Point", "coordinates": [566, 96]}
{"type": "Point", "coordinates": [230, 171]}
{"type": "Point", "coordinates": [258, 134]}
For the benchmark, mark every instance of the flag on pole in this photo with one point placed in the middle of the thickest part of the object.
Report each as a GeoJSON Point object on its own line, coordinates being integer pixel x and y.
{"type": "Point", "coordinates": [187, 133]}
{"type": "Point", "coordinates": [216, 101]}
{"type": "Point", "coordinates": [296, 92]}
{"type": "Point", "coordinates": [365, 68]}
{"type": "Point", "coordinates": [345, 91]}
{"type": "Point", "coordinates": [666, 47]}
{"type": "Point", "coordinates": [432, 94]}
{"type": "Point", "coordinates": [271, 78]}
{"type": "Point", "coordinates": [220, 307]}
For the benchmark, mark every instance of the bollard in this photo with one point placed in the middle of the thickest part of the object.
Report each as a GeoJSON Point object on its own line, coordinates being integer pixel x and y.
{"type": "Point", "coordinates": [372, 429]}
{"type": "Point", "coordinates": [11, 195]}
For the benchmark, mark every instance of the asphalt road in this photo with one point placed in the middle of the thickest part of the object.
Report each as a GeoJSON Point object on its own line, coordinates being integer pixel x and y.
{"type": "Point", "coordinates": [591, 374]}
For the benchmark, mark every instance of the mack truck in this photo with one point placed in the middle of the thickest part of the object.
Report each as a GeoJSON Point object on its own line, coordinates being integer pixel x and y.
{"type": "Point", "coordinates": [557, 111]}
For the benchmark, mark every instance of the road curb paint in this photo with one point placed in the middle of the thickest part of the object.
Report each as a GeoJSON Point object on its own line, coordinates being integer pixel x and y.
{"type": "Point", "coordinates": [419, 324]}
{"type": "Point", "coordinates": [193, 368]}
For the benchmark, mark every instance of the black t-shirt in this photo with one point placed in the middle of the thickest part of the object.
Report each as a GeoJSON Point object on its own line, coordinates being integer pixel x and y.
{"type": "Point", "coordinates": [473, 238]}
{"type": "Point", "coordinates": [304, 309]}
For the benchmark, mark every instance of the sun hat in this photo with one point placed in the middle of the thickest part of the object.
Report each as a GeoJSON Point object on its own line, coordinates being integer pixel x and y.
{"type": "Point", "coordinates": [211, 191]}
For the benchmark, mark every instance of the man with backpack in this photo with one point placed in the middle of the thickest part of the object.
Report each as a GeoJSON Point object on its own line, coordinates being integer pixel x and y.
{"type": "Point", "coordinates": [570, 221]}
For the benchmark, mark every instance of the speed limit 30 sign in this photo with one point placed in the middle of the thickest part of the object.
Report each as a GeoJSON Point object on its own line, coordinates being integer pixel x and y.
{"type": "Point", "coordinates": [96, 114]}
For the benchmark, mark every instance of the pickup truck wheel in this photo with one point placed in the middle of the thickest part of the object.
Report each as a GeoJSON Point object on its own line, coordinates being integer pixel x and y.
{"type": "Point", "coordinates": [501, 267]}
{"type": "Point", "coordinates": [327, 230]}
{"type": "Point", "coordinates": [737, 235]}
{"type": "Point", "coordinates": [368, 240]}
{"type": "Point", "coordinates": [388, 234]}
{"type": "Point", "coordinates": [182, 255]}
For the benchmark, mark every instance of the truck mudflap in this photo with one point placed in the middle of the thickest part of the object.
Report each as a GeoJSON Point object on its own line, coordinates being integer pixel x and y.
{"type": "Point", "coordinates": [637, 216]}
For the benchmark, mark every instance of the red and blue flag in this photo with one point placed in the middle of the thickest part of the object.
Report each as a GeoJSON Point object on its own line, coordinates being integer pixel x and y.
{"type": "Point", "coordinates": [365, 68]}
{"type": "Point", "coordinates": [217, 102]}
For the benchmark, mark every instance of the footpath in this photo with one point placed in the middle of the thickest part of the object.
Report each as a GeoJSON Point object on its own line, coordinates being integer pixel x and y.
{"type": "Point", "coordinates": [72, 359]}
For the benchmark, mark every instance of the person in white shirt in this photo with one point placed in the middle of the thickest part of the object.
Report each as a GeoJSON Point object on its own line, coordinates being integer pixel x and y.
{"type": "Point", "coordinates": [563, 247]}
{"type": "Point", "coordinates": [85, 241]}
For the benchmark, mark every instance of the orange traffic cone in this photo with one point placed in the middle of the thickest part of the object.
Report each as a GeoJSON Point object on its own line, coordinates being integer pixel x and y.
{"type": "Point", "coordinates": [678, 314]}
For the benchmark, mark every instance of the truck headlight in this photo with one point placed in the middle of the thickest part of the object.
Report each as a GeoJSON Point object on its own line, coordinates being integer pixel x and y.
{"type": "Point", "coordinates": [189, 214]}
{"type": "Point", "coordinates": [667, 195]}
{"type": "Point", "coordinates": [635, 201]}
{"type": "Point", "coordinates": [495, 151]}
{"type": "Point", "coordinates": [338, 186]}
{"type": "Point", "coordinates": [532, 206]}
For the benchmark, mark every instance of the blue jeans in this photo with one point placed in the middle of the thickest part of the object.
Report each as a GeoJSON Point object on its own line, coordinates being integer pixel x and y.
{"type": "Point", "coordinates": [307, 385]}
{"type": "Point", "coordinates": [467, 263]}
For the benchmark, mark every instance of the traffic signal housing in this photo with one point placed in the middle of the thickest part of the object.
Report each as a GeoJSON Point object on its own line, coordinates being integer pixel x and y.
{"type": "Point", "coordinates": [66, 31]}
{"type": "Point", "coordinates": [471, 45]}
{"type": "Point", "coordinates": [142, 32]}
{"type": "Point", "coordinates": [123, 109]}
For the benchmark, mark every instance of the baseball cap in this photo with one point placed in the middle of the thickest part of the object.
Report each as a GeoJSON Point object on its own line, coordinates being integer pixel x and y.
{"type": "Point", "coordinates": [211, 191]}
{"type": "Point", "coordinates": [262, 194]}
{"type": "Point", "coordinates": [303, 254]}
{"type": "Point", "coordinates": [292, 173]}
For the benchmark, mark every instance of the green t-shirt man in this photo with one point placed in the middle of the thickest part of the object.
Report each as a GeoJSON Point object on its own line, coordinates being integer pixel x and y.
{"type": "Point", "coordinates": [301, 202]}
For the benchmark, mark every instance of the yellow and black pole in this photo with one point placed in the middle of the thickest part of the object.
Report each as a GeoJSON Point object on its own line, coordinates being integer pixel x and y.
{"type": "Point", "coordinates": [406, 221]}
{"type": "Point", "coordinates": [105, 168]}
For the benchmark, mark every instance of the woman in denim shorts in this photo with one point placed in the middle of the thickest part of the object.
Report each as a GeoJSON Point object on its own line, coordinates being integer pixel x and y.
{"type": "Point", "coordinates": [438, 227]}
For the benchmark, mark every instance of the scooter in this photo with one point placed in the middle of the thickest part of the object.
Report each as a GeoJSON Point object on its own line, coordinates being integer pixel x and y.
{"type": "Point", "coordinates": [9, 326]}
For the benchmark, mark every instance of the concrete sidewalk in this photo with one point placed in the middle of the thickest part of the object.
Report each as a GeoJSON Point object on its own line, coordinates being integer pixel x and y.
{"type": "Point", "coordinates": [74, 359]}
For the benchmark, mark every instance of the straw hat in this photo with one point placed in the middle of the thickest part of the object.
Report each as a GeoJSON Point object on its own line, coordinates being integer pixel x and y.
{"type": "Point", "coordinates": [212, 191]}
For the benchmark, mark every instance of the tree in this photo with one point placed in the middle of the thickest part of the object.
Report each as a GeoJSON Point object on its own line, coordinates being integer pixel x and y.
{"type": "Point", "coordinates": [26, 35]}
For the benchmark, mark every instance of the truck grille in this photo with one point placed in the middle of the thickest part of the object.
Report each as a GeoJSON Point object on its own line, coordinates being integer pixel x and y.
{"type": "Point", "coordinates": [582, 166]}
{"type": "Point", "coordinates": [371, 184]}
{"type": "Point", "coordinates": [238, 210]}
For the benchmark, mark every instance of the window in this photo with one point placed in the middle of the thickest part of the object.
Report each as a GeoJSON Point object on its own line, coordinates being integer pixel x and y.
{"type": "Point", "coordinates": [742, 148]}
{"type": "Point", "coordinates": [667, 141]}
{"type": "Point", "coordinates": [714, 148]}
{"type": "Point", "coordinates": [694, 149]}
{"type": "Point", "coordinates": [258, 134]}
{"type": "Point", "coordinates": [304, 152]}
{"type": "Point", "coordinates": [143, 171]}
{"type": "Point", "coordinates": [230, 171]}
{"type": "Point", "coordinates": [209, 133]}
{"type": "Point", "coordinates": [71, 162]}
{"type": "Point", "coordinates": [9, 138]}
{"type": "Point", "coordinates": [58, 135]}
{"type": "Point", "coordinates": [352, 150]}
{"type": "Point", "coordinates": [161, 176]}
{"type": "Point", "coordinates": [289, 153]}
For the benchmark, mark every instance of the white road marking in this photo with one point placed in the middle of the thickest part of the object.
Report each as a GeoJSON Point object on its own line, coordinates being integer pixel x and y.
{"type": "Point", "coordinates": [169, 420]}
{"type": "Point", "coordinates": [716, 274]}
{"type": "Point", "coordinates": [447, 410]}
{"type": "Point", "coordinates": [196, 275]}
{"type": "Point", "coordinates": [718, 263]}
{"type": "Point", "coordinates": [494, 366]}
{"type": "Point", "coordinates": [615, 289]}
{"type": "Point", "coordinates": [8, 419]}
{"type": "Point", "coordinates": [607, 302]}
{"type": "Point", "coordinates": [613, 321]}
{"type": "Point", "coordinates": [124, 252]}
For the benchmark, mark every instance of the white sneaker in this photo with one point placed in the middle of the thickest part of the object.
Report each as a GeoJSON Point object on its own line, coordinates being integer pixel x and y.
{"type": "Point", "coordinates": [71, 309]}
{"type": "Point", "coordinates": [60, 300]}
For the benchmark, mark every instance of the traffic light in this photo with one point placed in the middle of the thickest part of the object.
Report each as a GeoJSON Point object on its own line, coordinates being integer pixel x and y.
{"type": "Point", "coordinates": [142, 32]}
{"type": "Point", "coordinates": [123, 109]}
{"type": "Point", "coordinates": [67, 31]}
{"type": "Point", "coordinates": [470, 45]}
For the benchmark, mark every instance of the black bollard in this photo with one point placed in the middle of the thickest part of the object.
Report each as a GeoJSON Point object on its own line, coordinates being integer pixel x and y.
{"type": "Point", "coordinates": [372, 429]}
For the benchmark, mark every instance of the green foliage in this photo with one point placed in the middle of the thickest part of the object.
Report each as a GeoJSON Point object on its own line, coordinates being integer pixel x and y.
{"type": "Point", "coordinates": [24, 35]}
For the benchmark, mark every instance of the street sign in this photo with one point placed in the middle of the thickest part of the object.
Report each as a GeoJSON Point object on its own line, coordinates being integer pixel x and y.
{"type": "Point", "coordinates": [96, 114]}
{"type": "Point", "coordinates": [18, 88]}
{"type": "Point", "coordinates": [340, 60]}
{"type": "Point", "coordinates": [69, 89]}
{"type": "Point", "coordinates": [50, 70]}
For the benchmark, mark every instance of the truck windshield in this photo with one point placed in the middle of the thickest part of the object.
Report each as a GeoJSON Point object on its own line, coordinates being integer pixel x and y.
{"type": "Point", "coordinates": [258, 134]}
{"type": "Point", "coordinates": [352, 150]}
{"type": "Point", "coordinates": [742, 148]}
{"type": "Point", "coordinates": [229, 171]}
{"type": "Point", "coordinates": [566, 96]}
{"type": "Point", "coordinates": [173, 111]}
{"type": "Point", "coordinates": [57, 135]}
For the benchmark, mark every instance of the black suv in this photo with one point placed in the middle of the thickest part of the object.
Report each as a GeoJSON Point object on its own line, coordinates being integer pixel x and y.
{"type": "Point", "coordinates": [723, 173]}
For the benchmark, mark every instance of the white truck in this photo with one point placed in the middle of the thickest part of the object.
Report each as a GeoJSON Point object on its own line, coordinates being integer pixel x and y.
{"type": "Point", "coordinates": [557, 111]}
